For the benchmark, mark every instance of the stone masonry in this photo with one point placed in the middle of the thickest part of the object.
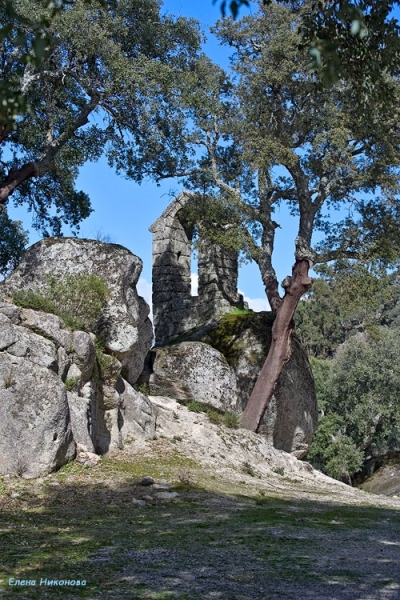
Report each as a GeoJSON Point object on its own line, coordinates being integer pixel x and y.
{"type": "Point", "coordinates": [175, 310]}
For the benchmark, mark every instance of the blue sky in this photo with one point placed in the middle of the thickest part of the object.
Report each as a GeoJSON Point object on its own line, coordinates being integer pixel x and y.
{"type": "Point", "coordinates": [124, 210]}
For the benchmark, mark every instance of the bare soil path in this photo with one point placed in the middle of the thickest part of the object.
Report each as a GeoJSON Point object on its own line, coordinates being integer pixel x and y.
{"type": "Point", "coordinates": [248, 523]}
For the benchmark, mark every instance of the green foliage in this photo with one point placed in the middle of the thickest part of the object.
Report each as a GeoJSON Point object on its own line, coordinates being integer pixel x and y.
{"type": "Point", "coordinates": [279, 470]}
{"type": "Point", "coordinates": [234, 6]}
{"type": "Point", "coordinates": [343, 458]}
{"type": "Point", "coordinates": [13, 240]}
{"type": "Point", "coordinates": [35, 301]}
{"type": "Point", "coordinates": [78, 299]}
{"type": "Point", "coordinates": [240, 311]}
{"type": "Point", "coordinates": [359, 398]}
{"type": "Point", "coordinates": [230, 419]}
{"type": "Point", "coordinates": [196, 407]}
{"type": "Point", "coordinates": [71, 382]}
{"type": "Point", "coordinates": [318, 319]}
{"type": "Point", "coordinates": [349, 41]}
{"type": "Point", "coordinates": [322, 370]}
{"type": "Point", "coordinates": [123, 61]}
{"type": "Point", "coordinates": [271, 114]}
{"type": "Point", "coordinates": [144, 388]}
{"type": "Point", "coordinates": [352, 41]}
{"type": "Point", "coordinates": [248, 469]}
{"type": "Point", "coordinates": [108, 365]}
{"type": "Point", "coordinates": [214, 416]}
{"type": "Point", "coordinates": [349, 296]}
{"type": "Point", "coordinates": [332, 451]}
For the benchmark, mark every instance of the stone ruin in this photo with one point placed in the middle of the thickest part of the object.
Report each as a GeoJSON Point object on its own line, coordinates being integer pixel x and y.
{"type": "Point", "coordinates": [175, 310]}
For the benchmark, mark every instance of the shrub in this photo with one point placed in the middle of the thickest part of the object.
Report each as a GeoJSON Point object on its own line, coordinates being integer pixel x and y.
{"type": "Point", "coordinates": [77, 299]}
{"type": "Point", "coordinates": [214, 416]}
{"type": "Point", "coordinates": [71, 382]}
{"type": "Point", "coordinates": [279, 471]}
{"type": "Point", "coordinates": [196, 407]}
{"type": "Point", "coordinates": [247, 468]}
{"type": "Point", "coordinates": [144, 388]}
{"type": "Point", "coordinates": [358, 395]}
{"type": "Point", "coordinates": [231, 419]}
{"type": "Point", "coordinates": [109, 366]}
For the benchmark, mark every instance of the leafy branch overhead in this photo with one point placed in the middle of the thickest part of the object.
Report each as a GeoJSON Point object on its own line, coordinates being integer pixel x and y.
{"type": "Point", "coordinates": [270, 115]}
{"type": "Point", "coordinates": [27, 48]}
{"type": "Point", "coordinates": [108, 86]}
{"type": "Point", "coordinates": [355, 41]}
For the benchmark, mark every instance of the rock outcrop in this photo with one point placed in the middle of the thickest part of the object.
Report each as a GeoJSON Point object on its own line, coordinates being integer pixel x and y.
{"type": "Point", "coordinates": [124, 323]}
{"type": "Point", "coordinates": [35, 428]}
{"type": "Point", "coordinates": [53, 394]}
{"type": "Point", "coordinates": [241, 343]}
{"type": "Point", "coordinates": [56, 390]}
{"type": "Point", "coordinates": [194, 371]}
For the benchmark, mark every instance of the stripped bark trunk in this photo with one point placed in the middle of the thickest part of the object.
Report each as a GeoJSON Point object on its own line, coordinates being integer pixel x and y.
{"type": "Point", "coordinates": [280, 349]}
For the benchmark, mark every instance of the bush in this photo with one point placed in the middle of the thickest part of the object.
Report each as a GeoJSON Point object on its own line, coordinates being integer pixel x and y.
{"type": "Point", "coordinates": [214, 416]}
{"type": "Point", "coordinates": [332, 451]}
{"type": "Point", "coordinates": [13, 240]}
{"type": "Point", "coordinates": [78, 299]}
{"type": "Point", "coordinates": [230, 419]}
{"type": "Point", "coordinates": [71, 383]}
{"type": "Point", "coordinates": [359, 398]}
{"type": "Point", "coordinates": [108, 365]}
{"type": "Point", "coordinates": [196, 407]}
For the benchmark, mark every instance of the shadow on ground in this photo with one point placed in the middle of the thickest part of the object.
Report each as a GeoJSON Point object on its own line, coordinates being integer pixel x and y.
{"type": "Point", "coordinates": [201, 545]}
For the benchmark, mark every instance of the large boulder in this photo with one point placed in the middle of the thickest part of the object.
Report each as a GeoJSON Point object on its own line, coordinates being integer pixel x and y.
{"type": "Point", "coordinates": [54, 393]}
{"type": "Point", "coordinates": [243, 341]}
{"type": "Point", "coordinates": [35, 428]}
{"type": "Point", "coordinates": [124, 323]}
{"type": "Point", "coordinates": [194, 371]}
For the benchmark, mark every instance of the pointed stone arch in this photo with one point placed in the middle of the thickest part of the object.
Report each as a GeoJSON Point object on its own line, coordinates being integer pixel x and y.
{"type": "Point", "coordinates": [175, 310]}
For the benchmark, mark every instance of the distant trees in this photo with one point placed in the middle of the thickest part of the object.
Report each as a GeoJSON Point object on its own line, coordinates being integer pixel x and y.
{"type": "Point", "coordinates": [353, 311]}
{"type": "Point", "coordinates": [109, 85]}
{"type": "Point", "coordinates": [348, 296]}
{"type": "Point", "coordinates": [13, 240]}
{"type": "Point", "coordinates": [359, 400]}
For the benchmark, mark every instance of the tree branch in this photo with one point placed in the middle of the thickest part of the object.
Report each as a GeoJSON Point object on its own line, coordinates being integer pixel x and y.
{"type": "Point", "coordinates": [46, 160]}
{"type": "Point", "coordinates": [335, 255]}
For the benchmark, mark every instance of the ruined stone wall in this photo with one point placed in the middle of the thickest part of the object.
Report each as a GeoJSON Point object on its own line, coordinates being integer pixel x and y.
{"type": "Point", "coordinates": [218, 279]}
{"type": "Point", "coordinates": [175, 310]}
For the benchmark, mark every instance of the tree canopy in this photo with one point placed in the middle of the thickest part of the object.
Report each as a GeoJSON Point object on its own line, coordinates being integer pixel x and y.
{"type": "Point", "coordinates": [269, 136]}
{"type": "Point", "coordinates": [358, 394]}
{"type": "Point", "coordinates": [347, 40]}
{"type": "Point", "coordinates": [109, 86]}
{"type": "Point", "coordinates": [347, 297]}
{"type": "Point", "coordinates": [13, 240]}
{"type": "Point", "coordinates": [268, 116]}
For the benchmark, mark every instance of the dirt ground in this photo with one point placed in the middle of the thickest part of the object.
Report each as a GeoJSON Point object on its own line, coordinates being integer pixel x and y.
{"type": "Point", "coordinates": [231, 520]}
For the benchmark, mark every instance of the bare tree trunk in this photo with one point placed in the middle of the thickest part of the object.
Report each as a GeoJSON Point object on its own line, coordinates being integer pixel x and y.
{"type": "Point", "coordinates": [279, 352]}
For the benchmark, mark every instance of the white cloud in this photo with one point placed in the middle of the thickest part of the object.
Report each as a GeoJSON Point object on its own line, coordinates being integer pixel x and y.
{"type": "Point", "coordinates": [144, 289]}
{"type": "Point", "coordinates": [195, 284]}
{"type": "Point", "coordinates": [256, 304]}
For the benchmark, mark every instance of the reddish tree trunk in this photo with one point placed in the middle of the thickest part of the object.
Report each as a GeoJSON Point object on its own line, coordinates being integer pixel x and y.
{"type": "Point", "coordinates": [279, 352]}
